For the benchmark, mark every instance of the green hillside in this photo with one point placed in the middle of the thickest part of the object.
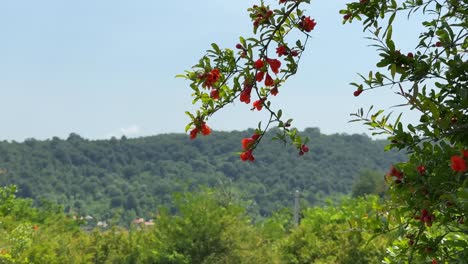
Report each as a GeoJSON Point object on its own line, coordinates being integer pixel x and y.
{"type": "Point", "coordinates": [133, 177]}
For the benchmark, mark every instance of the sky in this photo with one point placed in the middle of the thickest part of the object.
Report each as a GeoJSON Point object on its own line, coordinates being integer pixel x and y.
{"type": "Point", "coordinates": [107, 68]}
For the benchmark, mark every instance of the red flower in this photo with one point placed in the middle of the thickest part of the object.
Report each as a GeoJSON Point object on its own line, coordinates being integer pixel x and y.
{"type": "Point", "coordinates": [458, 164]}
{"type": "Point", "coordinates": [259, 64]}
{"type": "Point", "coordinates": [206, 130]}
{"type": "Point", "coordinates": [308, 24]}
{"type": "Point", "coordinates": [434, 261]}
{"type": "Point", "coordinates": [357, 93]}
{"type": "Point", "coordinates": [282, 1]}
{"type": "Point", "coordinates": [465, 153]}
{"type": "Point", "coordinates": [294, 53]}
{"type": "Point", "coordinates": [247, 143]}
{"type": "Point", "coordinates": [304, 149]}
{"type": "Point", "coordinates": [421, 169]}
{"type": "Point", "coordinates": [347, 16]}
{"type": "Point", "coordinates": [269, 81]}
{"type": "Point", "coordinates": [281, 50]}
{"type": "Point", "coordinates": [259, 104]}
{"type": "Point", "coordinates": [438, 44]}
{"type": "Point", "coordinates": [274, 91]}
{"type": "Point", "coordinates": [247, 156]}
{"type": "Point", "coordinates": [245, 95]}
{"type": "Point", "coordinates": [193, 133]}
{"type": "Point", "coordinates": [255, 136]}
{"type": "Point", "coordinates": [214, 94]}
{"type": "Point", "coordinates": [396, 173]}
{"type": "Point", "coordinates": [211, 78]}
{"type": "Point", "coordinates": [274, 65]}
{"type": "Point", "coordinates": [259, 76]}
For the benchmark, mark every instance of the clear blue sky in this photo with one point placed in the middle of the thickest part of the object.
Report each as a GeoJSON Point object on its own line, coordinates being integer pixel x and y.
{"type": "Point", "coordinates": [106, 68]}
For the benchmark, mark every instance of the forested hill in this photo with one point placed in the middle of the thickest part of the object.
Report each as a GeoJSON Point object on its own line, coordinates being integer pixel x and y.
{"type": "Point", "coordinates": [136, 176]}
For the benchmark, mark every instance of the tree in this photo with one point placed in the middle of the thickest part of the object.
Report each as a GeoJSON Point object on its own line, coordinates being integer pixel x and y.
{"type": "Point", "coordinates": [428, 193]}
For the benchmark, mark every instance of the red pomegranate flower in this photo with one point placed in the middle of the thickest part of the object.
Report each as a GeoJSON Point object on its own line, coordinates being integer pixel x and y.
{"type": "Point", "coordinates": [214, 94]}
{"type": "Point", "coordinates": [247, 143]}
{"type": "Point", "coordinates": [259, 64]}
{"type": "Point", "coordinates": [247, 156]}
{"type": "Point", "coordinates": [193, 133]}
{"type": "Point", "coordinates": [281, 50]}
{"type": "Point", "coordinates": [458, 164]}
{"type": "Point", "coordinates": [421, 169]}
{"type": "Point", "coordinates": [245, 95]}
{"type": "Point", "coordinates": [274, 91]}
{"type": "Point", "coordinates": [206, 130]}
{"type": "Point", "coordinates": [259, 104]}
{"type": "Point", "coordinates": [274, 65]}
{"type": "Point", "coordinates": [211, 78]}
{"type": "Point", "coordinates": [396, 173]}
{"type": "Point", "coordinates": [269, 81]}
{"type": "Point", "coordinates": [308, 24]}
{"type": "Point", "coordinates": [259, 76]}
{"type": "Point", "coordinates": [357, 93]}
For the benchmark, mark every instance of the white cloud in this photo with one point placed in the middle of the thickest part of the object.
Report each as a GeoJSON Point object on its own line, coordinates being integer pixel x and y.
{"type": "Point", "coordinates": [131, 130]}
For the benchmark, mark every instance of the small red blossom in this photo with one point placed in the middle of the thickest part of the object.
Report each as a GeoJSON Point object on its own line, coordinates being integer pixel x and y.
{"type": "Point", "coordinates": [239, 46]}
{"type": "Point", "coordinates": [259, 104]}
{"type": "Point", "coordinates": [438, 44]}
{"type": "Point", "coordinates": [357, 93]}
{"type": "Point", "coordinates": [458, 164]}
{"type": "Point", "coordinates": [203, 128]}
{"type": "Point", "coordinates": [434, 261]}
{"type": "Point", "coordinates": [259, 64]}
{"type": "Point", "coordinates": [193, 133]}
{"type": "Point", "coordinates": [269, 81]}
{"type": "Point", "coordinates": [247, 143]}
{"type": "Point", "coordinates": [211, 78]}
{"type": "Point", "coordinates": [214, 94]}
{"type": "Point", "coordinates": [247, 156]}
{"type": "Point", "coordinates": [421, 169]}
{"type": "Point", "coordinates": [308, 24]}
{"type": "Point", "coordinates": [396, 173]}
{"type": "Point", "coordinates": [304, 149]}
{"type": "Point", "coordinates": [282, 1]}
{"type": "Point", "coordinates": [281, 50]}
{"type": "Point", "coordinates": [347, 16]}
{"type": "Point", "coordinates": [465, 153]}
{"type": "Point", "coordinates": [256, 136]}
{"type": "Point", "coordinates": [410, 55]}
{"type": "Point", "coordinates": [274, 91]}
{"type": "Point", "coordinates": [245, 95]}
{"type": "Point", "coordinates": [274, 65]}
{"type": "Point", "coordinates": [294, 53]}
{"type": "Point", "coordinates": [206, 130]}
{"type": "Point", "coordinates": [259, 76]}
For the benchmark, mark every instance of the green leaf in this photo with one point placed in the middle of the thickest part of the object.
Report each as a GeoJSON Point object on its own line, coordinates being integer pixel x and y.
{"type": "Point", "coordinates": [393, 69]}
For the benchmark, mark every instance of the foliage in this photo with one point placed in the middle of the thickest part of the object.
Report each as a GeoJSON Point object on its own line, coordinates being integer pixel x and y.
{"type": "Point", "coordinates": [429, 191]}
{"type": "Point", "coordinates": [122, 179]}
{"type": "Point", "coordinates": [333, 234]}
{"type": "Point", "coordinates": [222, 76]}
{"type": "Point", "coordinates": [209, 226]}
